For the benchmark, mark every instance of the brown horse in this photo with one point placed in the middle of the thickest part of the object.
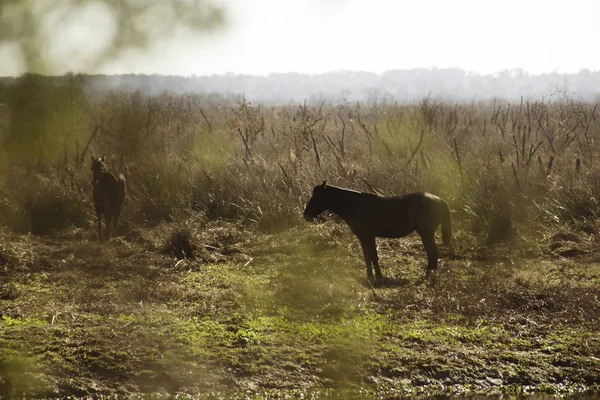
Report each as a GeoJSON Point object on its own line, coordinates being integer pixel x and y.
{"type": "Point", "coordinates": [109, 195]}
{"type": "Point", "coordinates": [370, 216]}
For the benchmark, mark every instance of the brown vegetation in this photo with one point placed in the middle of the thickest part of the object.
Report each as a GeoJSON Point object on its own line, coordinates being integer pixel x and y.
{"type": "Point", "coordinates": [532, 161]}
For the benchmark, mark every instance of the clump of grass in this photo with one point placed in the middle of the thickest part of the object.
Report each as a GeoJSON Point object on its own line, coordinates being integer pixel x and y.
{"type": "Point", "coordinates": [501, 229]}
{"type": "Point", "coordinates": [180, 243]}
{"type": "Point", "coordinates": [42, 205]}
{"type": "Point", "coordinates": [575, 197]}
{"type": "Point", "coordinates": [8, 257]}
{"type": "Point", "coordinates": [161, 189]}
{"type": "Point", "coordinates": [54, 209]}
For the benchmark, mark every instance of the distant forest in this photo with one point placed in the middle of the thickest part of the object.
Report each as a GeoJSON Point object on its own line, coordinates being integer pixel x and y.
{"type": "Point", "coordinates": [396, 85]}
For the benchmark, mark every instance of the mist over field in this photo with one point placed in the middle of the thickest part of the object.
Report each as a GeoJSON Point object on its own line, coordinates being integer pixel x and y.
{"type": "Point", "coordinates": [404, 86]}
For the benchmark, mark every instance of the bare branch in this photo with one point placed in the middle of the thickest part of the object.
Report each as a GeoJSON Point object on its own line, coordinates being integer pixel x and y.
{"type": "Point", "coordinates": [414, 153]}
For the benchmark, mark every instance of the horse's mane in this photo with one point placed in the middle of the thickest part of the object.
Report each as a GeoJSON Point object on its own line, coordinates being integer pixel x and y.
{"type": "Point", "coordinates": [351, 190]}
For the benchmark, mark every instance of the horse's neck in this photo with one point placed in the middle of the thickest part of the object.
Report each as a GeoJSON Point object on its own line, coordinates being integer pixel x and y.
{"type": "Point", "coordinates": [344, 202]}
{"type": "Point", "coordinates": [99, 172]}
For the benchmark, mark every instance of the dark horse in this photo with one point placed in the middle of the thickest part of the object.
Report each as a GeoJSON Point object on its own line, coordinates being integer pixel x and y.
{"type": "Point", "coordinates": [370, 216]}
{"type": "Point", "coordinates": [109, 195]}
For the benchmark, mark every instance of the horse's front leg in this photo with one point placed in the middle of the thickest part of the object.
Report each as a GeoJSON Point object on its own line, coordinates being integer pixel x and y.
{"type": "Point", "coordinates": [432, 251]}
{"type": "Point", "coordinates": [370, 253]}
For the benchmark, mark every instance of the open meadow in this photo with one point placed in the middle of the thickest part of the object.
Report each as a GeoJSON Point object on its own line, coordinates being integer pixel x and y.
{"type": "Point", "coordinates": [216, 287]}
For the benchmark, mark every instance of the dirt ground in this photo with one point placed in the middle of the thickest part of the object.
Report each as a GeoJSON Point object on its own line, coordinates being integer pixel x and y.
{"type": "Point", "coordinates": [249, 315]}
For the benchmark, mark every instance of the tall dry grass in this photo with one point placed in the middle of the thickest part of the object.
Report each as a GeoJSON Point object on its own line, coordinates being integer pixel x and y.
{"type": "Point", "coordinates": [534, 162]}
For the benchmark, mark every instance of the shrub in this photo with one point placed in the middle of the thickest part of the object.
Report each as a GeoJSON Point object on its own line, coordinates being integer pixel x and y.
{"type": "Point", "coordinates": [41, 205]}
{"type": "Point", "coordinates": [179, 244]}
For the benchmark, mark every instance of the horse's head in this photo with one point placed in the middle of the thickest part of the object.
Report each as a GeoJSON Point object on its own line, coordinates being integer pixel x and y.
{"type": "Point", "coordinates": [318, 203]}
{"type": "Point", "coordinates": [98, 166]}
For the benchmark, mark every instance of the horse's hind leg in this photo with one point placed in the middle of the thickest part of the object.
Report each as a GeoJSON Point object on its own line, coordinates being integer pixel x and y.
{"type": "Point", "coordinates": [99, 218]}
{"type": "Point", "coordinates": [109, 224]}
{"type": "Point", "coordinates": [432, 250]}
{"type": "Point", "coordinates": [116, 219]}
{"type": "Point", "coordinates": [368, 245]}
{"type": "Point", "coordinates": [375, 261]}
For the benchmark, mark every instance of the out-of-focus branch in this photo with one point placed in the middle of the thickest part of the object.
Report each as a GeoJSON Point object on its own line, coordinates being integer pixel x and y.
{"type": "Point", "coordinates": [124, 25]}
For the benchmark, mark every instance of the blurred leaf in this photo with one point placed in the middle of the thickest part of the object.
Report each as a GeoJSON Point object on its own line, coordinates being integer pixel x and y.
{"type": "Point", "coordinates": [45, 31]}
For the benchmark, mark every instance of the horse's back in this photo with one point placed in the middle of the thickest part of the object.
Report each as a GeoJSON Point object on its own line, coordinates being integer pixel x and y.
{"type": "Point", "coordinates": [398, 216]}
{"type": "Point", "coordinates": [417, 202]}
{"type": "Point", "coordinates": [429, 210]}
{"type": "Point", "coordinates": [418, 196]}
{"type": "Point", "coordinates": [109, 191]}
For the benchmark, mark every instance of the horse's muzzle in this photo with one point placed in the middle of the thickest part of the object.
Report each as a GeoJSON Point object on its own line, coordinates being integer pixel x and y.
{"type": "Point", "coordinates": [308, 217]}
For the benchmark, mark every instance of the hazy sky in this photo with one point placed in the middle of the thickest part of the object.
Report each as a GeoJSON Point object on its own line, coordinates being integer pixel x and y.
{"type": "Point", "coordinates": [375, 35]}
{"type": "Point", "coordinates": [314, 36]}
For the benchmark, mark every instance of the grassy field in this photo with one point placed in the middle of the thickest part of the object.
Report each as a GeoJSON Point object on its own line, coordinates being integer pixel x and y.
{"type": "Point", "coordinates": [216, 287]}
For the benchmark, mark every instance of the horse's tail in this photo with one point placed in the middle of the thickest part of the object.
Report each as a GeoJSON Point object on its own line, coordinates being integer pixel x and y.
{"type": "Point", "coordinates": [122, 187]}
{"type": "Point", "coordinates": [446, 223]}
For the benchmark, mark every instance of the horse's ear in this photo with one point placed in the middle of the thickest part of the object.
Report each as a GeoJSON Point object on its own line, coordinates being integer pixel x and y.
{"type": "Point", "coordinates": [93, 157]}
{"type": "Point", "coordinates": [103, 158]}
{"type": "Point", "coordinates": [324, 184]}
